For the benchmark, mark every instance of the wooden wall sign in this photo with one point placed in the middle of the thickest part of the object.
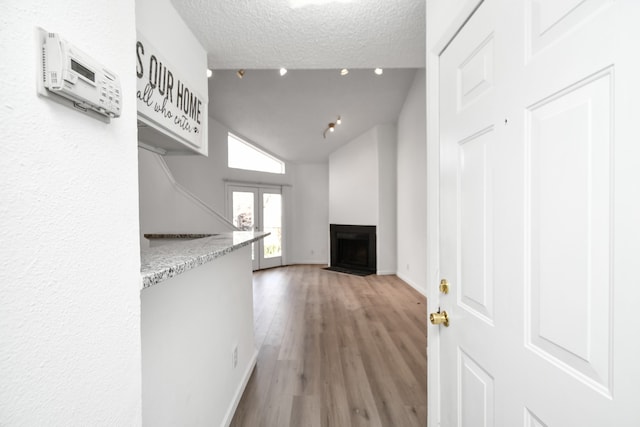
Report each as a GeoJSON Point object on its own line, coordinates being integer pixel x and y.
{"type": "Point", "coordinates": [166, 101]}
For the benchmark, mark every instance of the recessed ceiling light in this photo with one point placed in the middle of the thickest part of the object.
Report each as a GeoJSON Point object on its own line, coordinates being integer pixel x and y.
{"type": "Point", "coordinates": [283, 71]}
{"type": "Point", "coordinates": [378, 71]}
{"type": "Point", "coordinates": [209, 73]}
{"type": "Point", "coordinates": [344, 72]}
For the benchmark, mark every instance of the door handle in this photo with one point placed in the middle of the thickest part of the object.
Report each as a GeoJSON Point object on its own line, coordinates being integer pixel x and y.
{"type": "Point", "coordinates": [439, 318]}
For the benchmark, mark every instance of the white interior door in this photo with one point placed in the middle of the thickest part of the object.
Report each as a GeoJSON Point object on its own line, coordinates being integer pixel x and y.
{"type": "Point", "coordinates": [538, 216]}
{"type": "Point", "coordinates": [259, 209]}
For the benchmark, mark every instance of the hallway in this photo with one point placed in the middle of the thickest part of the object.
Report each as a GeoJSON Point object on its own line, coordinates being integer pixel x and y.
{"type": "Point", "coordinates": [336, 350]}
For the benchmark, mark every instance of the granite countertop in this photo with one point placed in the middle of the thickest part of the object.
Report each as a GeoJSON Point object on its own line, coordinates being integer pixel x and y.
{"type": "Point", "coordinates": [177, 236]}
{"type": "Point", "coordinates": [160, 263]}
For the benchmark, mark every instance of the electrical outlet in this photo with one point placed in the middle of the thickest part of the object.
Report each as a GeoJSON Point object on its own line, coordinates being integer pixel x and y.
{"type": "Point", "coordinates": [234, 357]}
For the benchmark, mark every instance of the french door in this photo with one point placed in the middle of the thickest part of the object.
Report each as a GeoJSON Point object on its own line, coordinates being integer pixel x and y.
{"type": "Point", "coordinates": [258, 209]}
{"type": "Point", "coordinates": [538, 219]}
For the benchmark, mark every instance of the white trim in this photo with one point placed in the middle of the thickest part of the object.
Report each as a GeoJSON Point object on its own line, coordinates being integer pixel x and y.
{"type": "Point", "coordinates": [413, 284]}
{"type": "Point", "coordinates": [253, 183]}
{"type": "Point", "coordinates": [434, 49]}
{"type": "Point", "coordinates": [238, 395]}
{"type": "Point", "coordinates": [307, 262]}
{"type": "Point", "coordinates": [180, 189]}
{"type": "Point", "coordinates": [385, 273]}
{"type": "Point", "coordinates": [229, 185]}
{"type": "Point", "coordinates": [287, 213]}
{"type": "Point", "coordinates": [153, 149]}
{"type": "Point", "coordinates": [433, 250]}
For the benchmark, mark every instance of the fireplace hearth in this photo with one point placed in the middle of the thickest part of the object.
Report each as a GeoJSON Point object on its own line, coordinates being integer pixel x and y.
{"type": "Point", "coordinates": [353, 248]}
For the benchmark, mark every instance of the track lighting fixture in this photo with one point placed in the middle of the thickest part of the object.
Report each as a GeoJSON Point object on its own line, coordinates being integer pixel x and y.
{"type": "Point", "coordinates": [283, 71]}
{"type": "Point", "coordinates": [240, 73]}
{"type": "Point", "coordinates": [331, 127]}
{"type": "Point", "coordinates": [344, 72]}
{"type": "Point", "coordinates": [378, 71]}
{"type": "Point", "coordinates": [209, 73]}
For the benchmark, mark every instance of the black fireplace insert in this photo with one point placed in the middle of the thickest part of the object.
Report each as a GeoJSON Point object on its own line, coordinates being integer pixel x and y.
{"type": "Point", "coordinates": [353, 248]}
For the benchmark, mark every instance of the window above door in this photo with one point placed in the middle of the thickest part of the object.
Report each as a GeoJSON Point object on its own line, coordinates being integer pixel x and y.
{"type": "Point", "coordinates": [243, 155]}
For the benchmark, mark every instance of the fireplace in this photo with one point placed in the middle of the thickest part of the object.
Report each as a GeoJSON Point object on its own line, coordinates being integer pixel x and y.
{"type": "Point", "coordinates": [353, 248]}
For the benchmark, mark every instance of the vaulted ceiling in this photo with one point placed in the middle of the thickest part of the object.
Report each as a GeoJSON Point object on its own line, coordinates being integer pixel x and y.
{"type": "Point", "coordinates": [313, 39]}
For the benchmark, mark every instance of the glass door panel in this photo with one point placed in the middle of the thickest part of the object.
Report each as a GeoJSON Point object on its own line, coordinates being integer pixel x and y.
{"type": "Point", "coordinates": [243, 210]}
{"type": "Point", "coordinates": [259, 209]}
{"type": "Point", "coordinates": [271, 254]}
{"type": "Point", "coordinates": [243, 214]}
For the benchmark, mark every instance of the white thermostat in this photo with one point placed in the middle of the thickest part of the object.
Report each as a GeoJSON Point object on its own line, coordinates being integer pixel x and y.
{"type": "Point", "coordinates": [72, 74]}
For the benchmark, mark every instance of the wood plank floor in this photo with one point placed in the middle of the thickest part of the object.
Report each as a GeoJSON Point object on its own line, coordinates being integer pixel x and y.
{"type": "Point", "coordinates": [336, 350]}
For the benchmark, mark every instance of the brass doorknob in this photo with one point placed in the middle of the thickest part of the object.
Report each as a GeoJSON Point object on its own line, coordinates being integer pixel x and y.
{"type": "Point", "coordinates": [439, 318]}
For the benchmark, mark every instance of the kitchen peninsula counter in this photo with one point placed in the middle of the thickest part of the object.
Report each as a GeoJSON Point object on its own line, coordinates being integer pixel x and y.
{"type": "Point", "coordinates": [194, 325]}
{"type": "Point", "coordinates": [189, 251]}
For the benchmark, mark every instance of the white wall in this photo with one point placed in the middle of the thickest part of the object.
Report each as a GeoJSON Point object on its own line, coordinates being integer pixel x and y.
{"type": "Point", "coordinates": [353, 181]}
{"type": "Point", "coordinates": [190, 324]}
{"type": "Point", "coordinates": [412, 186]}
{"type": "Point", "coordinates": [70, 273]}
{"type": "Point", "coordinates": [205, 177]}
{"type": "Point", "coordinates": [161, 25]}
{"type": "Point", "coordinates": [309, 231]}
{"type": "Point", "coordinates": [362, 185]}
{"type": "Point", "coordinates": [164, 208]}
{"type": "Point", "coordinates": [305, 191]}
{"type": "Point", "coordinates": [387, 211]}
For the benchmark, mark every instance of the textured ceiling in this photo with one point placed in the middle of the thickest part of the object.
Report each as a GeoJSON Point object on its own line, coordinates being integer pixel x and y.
{"type": "Point", "coordinates": [313, 39]}
{"type": "Point", "coordinates": [288, 115]}
{"type": "Point", "coordinates": [308, 34]}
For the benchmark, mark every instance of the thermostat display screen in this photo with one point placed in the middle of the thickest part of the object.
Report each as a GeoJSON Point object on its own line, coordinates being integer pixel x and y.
{"type": "Point", "coordinates": [83, 71]}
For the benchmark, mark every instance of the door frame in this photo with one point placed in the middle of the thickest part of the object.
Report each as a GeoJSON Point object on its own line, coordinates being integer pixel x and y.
{"type": "Point", "coordinates": [435, 45]}
{"type": "Point", "coordinates": [261, 188]}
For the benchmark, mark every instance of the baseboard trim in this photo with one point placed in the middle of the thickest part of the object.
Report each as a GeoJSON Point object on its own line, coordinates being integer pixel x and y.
{"type": "Point", "coordinates": [236, 398]}
{"type": "Point", "coordinates": [385, 273]}
{"type": "Point", "coordinates": [411, 283]}
{"type": "Point", "coordinates": [308, 262]}
{"type": "Point", "coordinates": [408, 281]}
